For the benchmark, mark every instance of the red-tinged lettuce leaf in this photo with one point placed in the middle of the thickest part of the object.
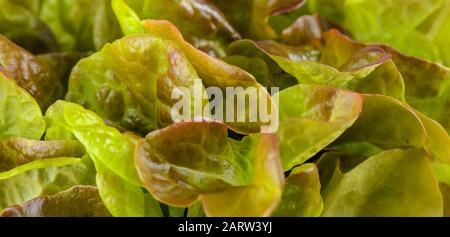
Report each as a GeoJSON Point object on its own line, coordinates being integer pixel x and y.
{"type": "Point", "coordinates": [301, 195]}
{"type": "Point", "coordinates": [201, 22]}
{"type": "Point", "coordinates": [384, 80]}
{"type": "Point", "coordinates": [336, 49]}
{"type": "Point", "coordinates": [130, 82]}
{"type": "Point", "coordinates": [43, 177]}
{"type": "Point", "coordinates": [251, 17]}
{"type": "Point", "coordinates": [79, 201]}
{"type": "Point", "coordinates": [30, 72]}
{"type": "Point", "coordinates": [217, 73]}
{"type": "Point", "coordinates": [101, 142]}
{"type": "Point", "coordinates": [430, 96]}
{"type": "Point", "coordinates": [387, 124]}
{"type": "Point", "coordinates": [298, 62]}
{"type": "Point", "coordinates": [19, 21]}
{"type": "Point", "coordinates": [372, 66]}
{"type": "Point", "coordinates": [180, 162]}
{"type": "Point", "coordinates": [18, 151]}
{"type": "Point", "coordinates": [427, 86]}
{"type": "Point", "coordinates": [262, 196]}
{"type": "Point", "coordinates": [21, 116]}
{"type": "Point", "coordinates": [312, 117]}
{"type": "Point", "coordinates": [392, 183]}
{"type": "Point", "coordinates": [306, 30]}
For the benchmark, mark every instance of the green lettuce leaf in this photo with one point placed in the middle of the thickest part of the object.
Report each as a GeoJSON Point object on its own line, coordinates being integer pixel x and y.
{"type": "Point", "coordinates": [386, 123]}
{"type": "Point", "coordinates": [101, 142]}
{"type": "Point", "coordinates": [83, 25]}
{"type": "Point", "coordinates": [262, 196]}
{"type": "Point", "coordinates": [301, 63]}
{"type": "Point", "coordinates": [129, 83]}
{"type": "Point", "coordinates": [312, 117]}
{"type": "Point", "coordinates": [22, 116]}
{"type": "Point", "coordinates": [42, 177]}
{"type": "Point", "coordinates": [427, 86]}
{"type": "Point", "coordinates": [122, 198]}
{"type": "Point", "coordinates": [414, 27]}
{"type": "Point", "coordinates": [216, 73]}
{"type": "Point", "coordinates": [78, 201]}
{"type": "Point", "coordinates": [392, 183]}
{"type": "Point", "coordinates": [129, 21]}
{"type": "Point", "coordinates": [301, 195]}
{"type": "Point", "coordinates": [196, 210]}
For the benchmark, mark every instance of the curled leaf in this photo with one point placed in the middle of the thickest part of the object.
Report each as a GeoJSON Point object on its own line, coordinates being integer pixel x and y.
{"type": "Point", "coordinates": [130, 83]}
{"type": "Point", "coordinates": [30, 72]}
{"type": "Point", "coordinates": [301, 195]}
{"type": "Point", "coordinates": [22, 116]}
{"type": "Point", "coordinates": [262, 196]}
{"type": "Point", "coordinates": [42, 177]}
{"type": "Point", "coordinates": [179, 162]}
{"type": "Point", "coordinates": [101, 142]}
{"type": "Point", "coordinates": [386, 123]}
{"type": "Point", "coordinates": [79, 201]}
{"type": "Point", "coordinates": [18, 151]}
{"type": "Point", "coordinates": [216, 73]}
{"type": "Point", "coordinates": [312, 117]}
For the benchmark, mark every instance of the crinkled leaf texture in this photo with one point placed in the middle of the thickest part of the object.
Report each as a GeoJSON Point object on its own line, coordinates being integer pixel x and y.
{"type": "Point", "coordinates": [42, 177]}
{"type": "Point", "coordinates": [184, 160]}
{"type": "Point", "coordinates": [424, 85]}
{"type": "Point", "coordinates": [31, 73]}
{"type": "Point", "coordinates": [391, 183]}
{"type": "Point", "coordinates": [200, 22]}
{"type": "Point", "coordinates": [130, 82]}
{"type": "Point", "coordinates": [78, 201]}
{"type": "Point", "coordinates": [312, 117]}
{"type": "Point", "coordinates": [18, 151]}
{"type": "Point", "coordinates": [82, 25]}
{"type": "Point", "coordinates": [102, 143]}
{"type": "Point", "coordinates": [22, 116]}
{"type": "Point", "coordinates": [215, 72]}
{"type": "Point", "coordinates": [112, 154]}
